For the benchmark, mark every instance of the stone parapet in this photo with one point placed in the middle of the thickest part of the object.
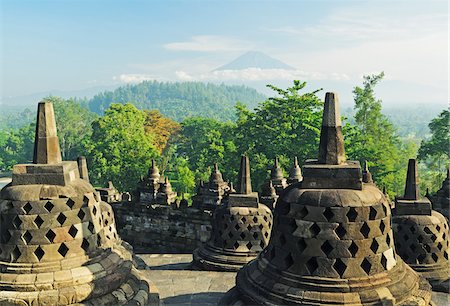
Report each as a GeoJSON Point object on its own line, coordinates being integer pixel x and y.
{"type": "Point", "coordinates": [160, 228]}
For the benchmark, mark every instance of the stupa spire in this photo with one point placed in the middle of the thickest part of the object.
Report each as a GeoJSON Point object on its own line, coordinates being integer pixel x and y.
{"type": "Point", "coordinates": [331, 149]}
{"type": "Point", "coordinates": [46, 145]}
{"type": "Point", "coordinates": [244, 183]}
{"type": "Point", "coordinates": [412, 181]}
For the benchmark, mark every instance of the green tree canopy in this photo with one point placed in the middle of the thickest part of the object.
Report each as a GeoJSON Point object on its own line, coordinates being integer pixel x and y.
{"type": "Point", "coordinates": [434, 152]}
{"type": "Point", "coordinates": [438, 144]}
{"type": "Point", "coordinates": [120, 149]}
{"type": "Point", "coordinates": [205, 141]}
{"type": "Point", "coordinates": [283, 126]}
{"type": "Point", "coordinates": [377, 140]}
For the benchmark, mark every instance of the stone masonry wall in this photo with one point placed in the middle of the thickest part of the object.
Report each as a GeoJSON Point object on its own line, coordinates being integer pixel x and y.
{"type": "Point", "coordinates": [162, 229]}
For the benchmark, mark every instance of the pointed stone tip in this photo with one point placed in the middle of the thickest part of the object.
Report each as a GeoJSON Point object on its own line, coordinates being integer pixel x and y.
{"type": "Point", "coordinates": [331, 148]}
{"type": "Point", "coordinates": [366, 166]}
{"type": "Point", "coordinates": [275, 161]}
{"type": "Point", "coordinates": [412, 181]}
{"type": "Point", "coordinates": [46, 145]}
{"type": "Point", "coordinates": [244, 181]}
{"type": "Point", "coordinates": [153, 163]}
{"type": "Point", "coordinates": [216, 167]}
{"type": "Point", "coordinates": [295, 161]}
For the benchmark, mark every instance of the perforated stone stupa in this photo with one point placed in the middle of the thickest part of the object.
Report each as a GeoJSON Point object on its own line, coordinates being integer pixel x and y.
{"type": "Point", "coordinates": [332, 242]}
{"type": "Point", "coordinates": [421, 234]}
{"type": "Point", "coordinates": [240, 228]}
{"type": "Point", "coordinates": [441, 201]}
{"type": "Point", "coordinates": [58, 243]}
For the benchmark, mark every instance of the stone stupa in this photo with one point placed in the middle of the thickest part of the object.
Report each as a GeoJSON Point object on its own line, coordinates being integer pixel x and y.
{"type": "Point", "coordinates": [154, 190]}
{"type": "Point", "coordinates": [240, 228]}
{"type": "Point", "coordinates": [295, 174]}
{"type": "Point", "coordinates": [269, 195]}
{"type": "Point", "coordinates": [210, 196]}
{"type": "Point", "coordinates": [421, 234]}
{"type": "Point", "coordinates": [58, 243]}
{"type": "Point", "coordinates": [277, 178]}
{"type": "Point", "coordinates": [441, 201]}
{"type": "Point", "coordinates": [332, 242]}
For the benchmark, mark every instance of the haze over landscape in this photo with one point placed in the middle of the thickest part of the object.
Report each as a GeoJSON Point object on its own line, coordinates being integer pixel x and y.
{"type": "Point", "coordinates": [80, 48]}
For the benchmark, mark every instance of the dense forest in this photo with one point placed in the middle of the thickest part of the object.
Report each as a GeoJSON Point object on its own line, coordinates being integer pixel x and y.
{"type": "Point", "coordinates": [180, 100]}
{"type": "Point", "coordinates": [120, 139]}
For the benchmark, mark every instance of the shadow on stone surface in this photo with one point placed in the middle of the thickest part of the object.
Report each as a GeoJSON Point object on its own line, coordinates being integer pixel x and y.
{"type": "Point", "coordinates": [202, 298]}
{"type": "Point", "coordinates": [187, 266]}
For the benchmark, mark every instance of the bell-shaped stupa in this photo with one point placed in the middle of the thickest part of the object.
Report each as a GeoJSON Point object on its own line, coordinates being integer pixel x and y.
{"type": "Point", "coordinates": [441, 201]}
{"type": "Point", "coordinates": [332, 242]}
{"type": "Point", "coordinates": [58, 243]}
{"type": "Point", "coordinates": [295, 174]}
{"type": "Point", "coordinates": [277, 178]}
{"type": "Point", "coordinates": [268, 194]}
{"type": "Point", "coordinates": [240, 229]}
{"type": "Point", "coordinates": [421, 234]}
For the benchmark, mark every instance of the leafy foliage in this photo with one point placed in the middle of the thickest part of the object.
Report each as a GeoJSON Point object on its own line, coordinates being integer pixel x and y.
{"type": "Point", "coordinates": [205, 141]}
{"type": "Point", "coordinates": [438, 144]}
{"type": "Point", "coordinates": [16, 146]}
{"type": "Point", "coordinates": [376, 140]}
{"type": "Point", "coordinates": [73, 125]}
{"type": "Point", "coordinates": [162, 128]}
{"type": "Point", "coordinates": [435, 152]}
{"type": "Point", "coordinates": [120, 150]}
{"type": "Point", "coordinates": [283, 126]}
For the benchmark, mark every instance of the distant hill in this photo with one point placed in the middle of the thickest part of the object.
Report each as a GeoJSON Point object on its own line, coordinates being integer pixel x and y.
{"type": "Point", "coordinates": [255, 59]}
{"type": "Point", "coordinates": [180, 100]}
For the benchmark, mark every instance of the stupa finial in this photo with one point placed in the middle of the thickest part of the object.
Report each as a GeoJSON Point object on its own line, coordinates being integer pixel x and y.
{"type": "Point", "coordinates": [367, 176]}
{"type": "Point", "coordinates": [46, 145]}
{"type": "Point", "coordinates": [331, 149]}
{"type": "Point", "coordinates": [412, 181]}
{"type": "Point", "coordinates": [244, 183]}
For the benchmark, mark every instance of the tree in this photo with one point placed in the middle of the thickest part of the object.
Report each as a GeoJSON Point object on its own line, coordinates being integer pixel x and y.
{"type": "Point", "coordinates": [377, 140]}
{"type": "Point", "coordinates": [205, 141]}
{"type": "Point", "coordinates": [285, 126]}
{"type": "Point", "coordinates": [162, 128]}
{"type": "Point", "coordinates": [74, 126]}
{"type": "Point", "coordinates": [434, 152]}
{"type": "Point", "coordinates": [185, 179]}
{"type": "Point", "coordinates": [120, 150]}
{"type": "Point", "coordinates": [16, 146]}
{"type": "Point", "coordinates": [438, 145]}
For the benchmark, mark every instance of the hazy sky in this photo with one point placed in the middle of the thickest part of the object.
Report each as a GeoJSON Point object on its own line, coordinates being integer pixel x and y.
{"type": "Point", "coordinates": [68, 45]}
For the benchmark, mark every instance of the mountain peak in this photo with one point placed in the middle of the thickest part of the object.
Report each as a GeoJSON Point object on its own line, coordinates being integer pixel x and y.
{"type": "Point", "coordinates": [255, 59]}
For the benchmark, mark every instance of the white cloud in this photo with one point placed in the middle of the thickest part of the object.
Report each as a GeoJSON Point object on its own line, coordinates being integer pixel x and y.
{"type": "Point", "coordinates": [209, 43]}
{"type": "Point", "coordinates": [258, 74]}
{"type": "Point", "coordinates": [353, 25]}
{"type": "Point", "coordinates": [135, 78]}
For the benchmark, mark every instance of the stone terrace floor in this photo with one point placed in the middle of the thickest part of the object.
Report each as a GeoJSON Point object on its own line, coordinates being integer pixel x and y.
{"type": "Point", "coordinates": [179, 284]}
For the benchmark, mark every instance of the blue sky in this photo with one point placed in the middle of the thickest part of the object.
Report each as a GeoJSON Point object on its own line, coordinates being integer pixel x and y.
{"type": "Point", "coordinates": [70, 45]}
